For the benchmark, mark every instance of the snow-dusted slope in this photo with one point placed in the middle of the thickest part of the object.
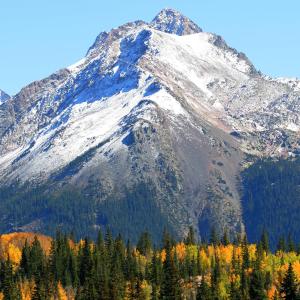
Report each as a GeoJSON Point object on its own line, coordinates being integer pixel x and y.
{"type": "Point", "coordinates": [163, 103]}
{"type": "Point", "coordinates": [171, 21]}
{"type": "Point", "coordinates": [89, 103]}
{"type": "Point", "coordinates": [3, 97]}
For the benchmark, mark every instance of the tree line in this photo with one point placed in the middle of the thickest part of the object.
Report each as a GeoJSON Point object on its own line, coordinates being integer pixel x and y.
{"type": "Point", "coordinates": [111, 268]}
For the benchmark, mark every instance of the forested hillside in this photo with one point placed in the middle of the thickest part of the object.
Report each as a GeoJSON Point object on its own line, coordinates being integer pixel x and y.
{"type": "Point", "coordinates": [271, 199]}
{"type": "Point", "coordinates": [70, 209]}
{"type": "Point", "coordinates": [111, 268]}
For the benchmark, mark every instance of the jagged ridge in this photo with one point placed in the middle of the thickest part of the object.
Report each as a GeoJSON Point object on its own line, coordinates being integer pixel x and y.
{"type": "Point", "coordinates": [163, 106]}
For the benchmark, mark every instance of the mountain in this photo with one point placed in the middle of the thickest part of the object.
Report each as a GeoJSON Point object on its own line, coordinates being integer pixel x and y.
{"type": "Point", "coordinates": [3, 97]}
{"type": "Point", "coordinates": [151, 129]}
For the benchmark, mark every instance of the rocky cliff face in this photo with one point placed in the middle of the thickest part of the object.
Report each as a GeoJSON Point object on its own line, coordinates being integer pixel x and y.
{"type": "Point", "coordinates": [163, 105]}
{"type": "Point", "coordinates": [3, 97]}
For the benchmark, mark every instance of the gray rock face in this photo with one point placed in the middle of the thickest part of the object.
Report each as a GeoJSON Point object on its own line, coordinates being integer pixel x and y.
{"type": "Point", "coordinates": [3, 97]}
{"type": "Point", "coordinates": [172, 21]}
{"type": "Point", "coordinates": [163, 105]}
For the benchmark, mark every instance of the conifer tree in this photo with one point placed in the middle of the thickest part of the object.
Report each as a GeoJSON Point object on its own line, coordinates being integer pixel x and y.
{"type": "Point", "coordinates": [214, 238]}
{"type": "Point", "coordinates": [244, 285]}
{"type": "Point", "coordinates": [291, 247]}
{"type": "Point", "coordinates": [276, 296]}
{"type": "Point", "coordinates": [37, 261]}
{"type": "Point", "coordinates": [155, 275]}
{"type": "Point", "coordinates": [190, 239]}
{"type": "Point", "coordinates": [225, 238]}
{"type": "Point", "coordinates": [215, 277]}
{"type": "Point", "coordinates": [234, 292]}
{"type": "Point", "coordinates": [256, 289]}
{"type": "Point", "coordinates": [11, 290]}
{"type": "Point", "coordinates": [204, 291]}
{"type": "Point", "coordinates": [170, 288]}
{"type": "Point", "coordinates": [40, 290]}
{"type": "Point", "coordinates": [108, 240]}
{"type": "Point", "coordinates": [281, 246]}
{"type": "Point", "coordinates": [85, 262]}
{"type": "Point", "coordinates": [144, 244]}
{"type": "Point", "coordinates": [73, 265]}
{"type": "Point", "coordinates": [245, 254]}
{"type": "Point", "coordinates": [25, 260]}
{"type": "Point", "coordinates": [89, 290]}
{"type": "Point", "coordinates": [288, 287]}
{"type": "Point", "coordinates": [130, 268]}
{"type": "Point", "coordinates": [100, 240]}
{"type": "Point", "coordinates": [265, 241]}
{"type": "Point", "coordinates": [117, 280]}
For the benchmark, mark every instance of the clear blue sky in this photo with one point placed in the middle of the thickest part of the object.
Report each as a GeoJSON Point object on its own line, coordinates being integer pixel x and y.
{"type": "Point", "coordinates": [37, 37]}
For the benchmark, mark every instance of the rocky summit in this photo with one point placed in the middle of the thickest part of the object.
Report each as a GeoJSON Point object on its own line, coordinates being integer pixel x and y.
{"type": "Point", "coordinates": [3, 97]}
{"type": "Point", "coordinates": [150, 129]}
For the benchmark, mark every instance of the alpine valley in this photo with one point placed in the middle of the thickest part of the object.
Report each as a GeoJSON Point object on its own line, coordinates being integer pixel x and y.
{"type": "Point", "coordinates": [160, 125]}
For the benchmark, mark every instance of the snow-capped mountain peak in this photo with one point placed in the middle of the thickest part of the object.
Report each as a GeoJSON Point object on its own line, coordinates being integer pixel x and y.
{"type": "Point", "coordinates": [163, 104]}
{"type": "Point", "coordinates": [171, 21]}
{"type": "Point", "coordinates": [3, 97]}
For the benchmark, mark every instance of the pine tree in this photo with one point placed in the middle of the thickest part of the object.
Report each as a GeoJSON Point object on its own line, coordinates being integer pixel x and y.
{"type": "Point", "coordinates": [215, 278]}
{"type": "Point", "coordinates": [288, 287]}
{"type": "Point", "coordinates": [155, 275]}
{"type": "Point", "coordinates": [25, 260]}
{"type": "Point", "coordinates": [276, 296]}
{"type": "Point", "coordinates": [40, 291]}
{"type": "Point", "coordinates": [245, 254]}
{"type": "Point", "coordinates": [190, 239]}
{"type": "Point", "coordinates": [108, 240]}
{"type": "Point", "coordinates": [291, 247]}
{"type": "Point", "coordinates": [235, 292]}
{"type": "Point", "coordinates": [102, 268]}
{"type": "Point", "coordinates": [268, 280]}
{"type": "Point", "coordinates": [117, 280]}
{"type": "Point", "coordinates": [256, 289]}
{"type": "Point", "coordinates": [85, 262]}
{"type": "Point", "coordinates": [281, 244]}
{"type": "Point", "coordinates": [130, 267]}
{"type": "Point", "coordinates": [11, 290]}
{"type": "Point", "coordinates": [214, 238]}
{"type": "Point", "coordinates": [225, 238]}
{"type": "Point", "coordinates": [144, 244]}
{"type": "Point", "coordinates": [204, 291]}
{"type": "Point", "coordinates": [265, 241]}
{"type": "Point", "coordinates": [73, 266]}
{"type": "Point", "coordinates": [37, 261]}
{"type": "Point", "coordinates": [88, 291]}
{"type": "Point", "coordinates": [170, 288]}
{"type": "Point", "coordinates": [166, 239]}
{"type": "Point", "coordinates": [100, 241]}
{"type": "Point", "coordinates": [244, 286]}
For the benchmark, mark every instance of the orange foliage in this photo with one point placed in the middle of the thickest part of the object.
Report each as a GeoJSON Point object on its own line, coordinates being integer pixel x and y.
{"type": "Point", "coordinates": [163, 255]}
{"type": "Point", "coordinates": [271, 292]}
{"type": "Point", "coordinates": [26, 289]}
{"type": "Point", "coordinates": [14, 253]}
{"type": "Point", "coordinates": [296, 267]}
{"type": "Point", "coordinates": [180, 251]}
{"type": "Point", "coordinates": [211, 251]}
{"type": "Point", "coordinates": [205, 261]}
{"type": "Point", "coordinates": [238, 252]}
{"type": "Point", "coordinates": [252, 251]}
{"type": "Point", "coordinates": [225, 253]}
{"type": "Point", "coordinates": [62, 295]}
{"type": "Point", "coordinates": [235, 278]}
{"type": "Point", "coordinates": [11, 244]}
